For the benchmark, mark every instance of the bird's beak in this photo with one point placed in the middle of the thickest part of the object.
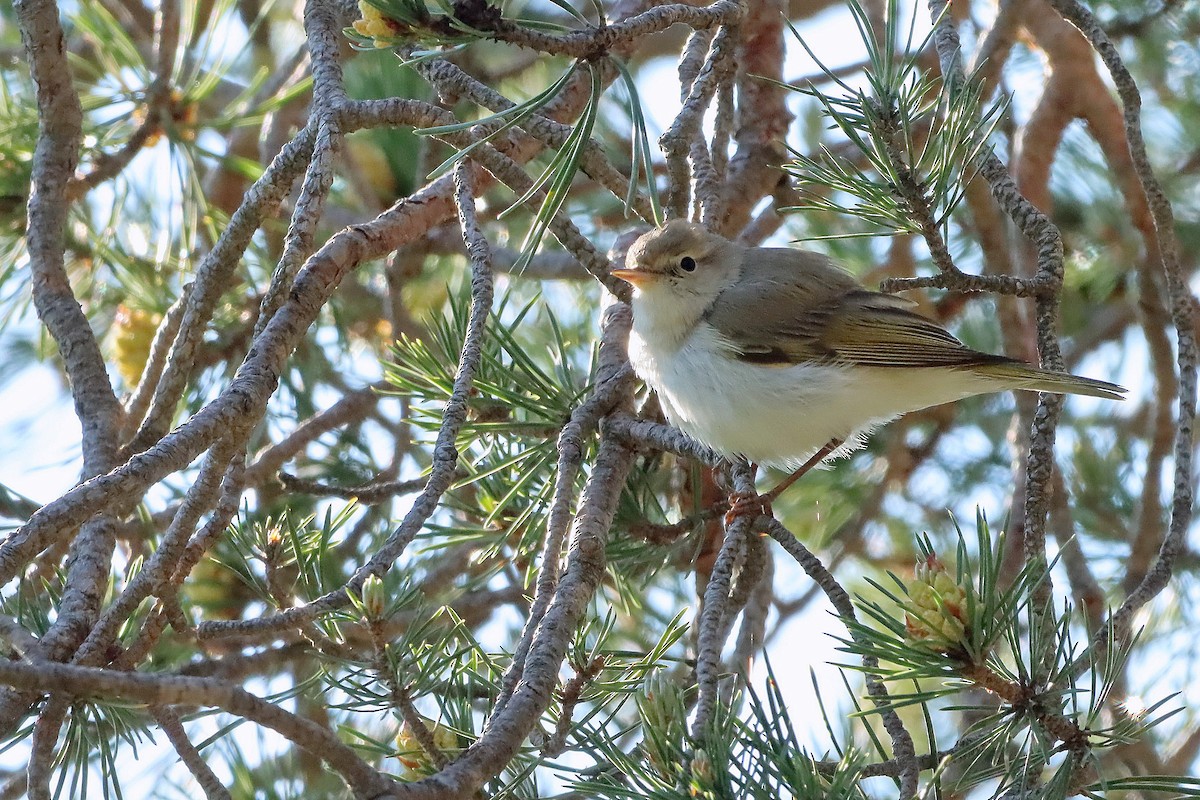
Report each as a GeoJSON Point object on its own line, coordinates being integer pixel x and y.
{"type": "Point", "coordinates": [635, 276]}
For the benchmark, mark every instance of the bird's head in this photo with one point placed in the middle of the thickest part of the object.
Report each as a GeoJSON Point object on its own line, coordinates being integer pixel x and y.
{"type": "Point", "coordinates": [677, 271]}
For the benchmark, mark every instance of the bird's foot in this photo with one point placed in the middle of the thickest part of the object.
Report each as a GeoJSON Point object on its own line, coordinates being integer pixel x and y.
{"type": "Point", "coordinates": [748, 504]}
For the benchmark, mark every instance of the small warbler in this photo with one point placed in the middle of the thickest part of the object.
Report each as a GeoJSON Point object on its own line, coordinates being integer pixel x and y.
{"type": "Point", "coordinates": [775, 353]}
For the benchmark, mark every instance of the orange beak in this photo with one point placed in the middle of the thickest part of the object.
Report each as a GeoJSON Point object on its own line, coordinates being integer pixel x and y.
{"type": "Point", "coordinates": [635, 276]}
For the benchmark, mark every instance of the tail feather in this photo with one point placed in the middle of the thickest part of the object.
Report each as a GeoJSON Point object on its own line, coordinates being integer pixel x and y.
{"type": "Point", "coordinates": [1023, 377]}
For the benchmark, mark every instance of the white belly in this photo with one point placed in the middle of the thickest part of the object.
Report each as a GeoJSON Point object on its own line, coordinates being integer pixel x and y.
{"type": "Point", "coordinates": [782, 415]}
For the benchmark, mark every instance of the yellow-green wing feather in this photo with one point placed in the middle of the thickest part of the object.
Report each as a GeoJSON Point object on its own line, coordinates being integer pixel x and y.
{"type": "Point", "coordinates": [871, 329]}
{"type": "Point", "coordinates": [793, 306]}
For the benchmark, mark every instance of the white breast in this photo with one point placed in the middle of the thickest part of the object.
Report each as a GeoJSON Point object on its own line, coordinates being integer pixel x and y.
{"type": "Point", "coordinates": [782, 415]}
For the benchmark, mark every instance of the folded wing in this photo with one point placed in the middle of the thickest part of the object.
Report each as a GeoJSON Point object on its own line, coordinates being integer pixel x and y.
{"type": "Point", "coordinates": [796, 307]}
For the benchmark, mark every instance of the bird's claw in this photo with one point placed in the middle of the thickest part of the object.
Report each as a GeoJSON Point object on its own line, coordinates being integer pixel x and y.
{"type": "Point", "coordinates": [748, 504]}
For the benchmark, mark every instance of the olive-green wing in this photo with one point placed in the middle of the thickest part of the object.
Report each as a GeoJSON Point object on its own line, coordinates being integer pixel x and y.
{"type": "Point", "coordinates": [795, 306]}
{"type": "Point", "coordinates": [780, 306]}
{"type": "Point", "coordinates": [871, 329]}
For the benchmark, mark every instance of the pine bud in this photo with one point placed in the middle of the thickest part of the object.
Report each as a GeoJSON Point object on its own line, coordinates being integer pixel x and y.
{"type": "Point", "coordinates": [937, 607]}
{"type": "Point", "coordinates": [133, 334]}
{"type": "Point", "coordinates": [410, 753]}
{"type": "Point", "coordinates": [374, 598]}
{"type": "Point", "coordinates": [658, 692]}
{"type": "Point", "coordinates": [661, 710]}
{"type": "Point", "coordinates": [703, 777]}
{"type": "Point", "coordinates": [375, 25]}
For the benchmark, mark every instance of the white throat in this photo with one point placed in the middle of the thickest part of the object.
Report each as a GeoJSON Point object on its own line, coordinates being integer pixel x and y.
{"type": "Point", "coordinates": [663, 318]}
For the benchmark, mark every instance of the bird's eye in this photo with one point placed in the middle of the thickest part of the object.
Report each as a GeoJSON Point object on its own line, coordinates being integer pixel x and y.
{"type": "Point", "coordinates": [687, 264]}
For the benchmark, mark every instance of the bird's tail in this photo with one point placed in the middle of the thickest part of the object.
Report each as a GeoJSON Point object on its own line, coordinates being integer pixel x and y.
{"type": "Point", "coordinates": [1021, 376]}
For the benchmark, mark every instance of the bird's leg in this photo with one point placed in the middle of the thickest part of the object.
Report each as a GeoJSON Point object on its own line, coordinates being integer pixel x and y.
{"type": "Point", "coordinates": [817, 458]}
{"type": "Point", "coordinates": [741, 504]}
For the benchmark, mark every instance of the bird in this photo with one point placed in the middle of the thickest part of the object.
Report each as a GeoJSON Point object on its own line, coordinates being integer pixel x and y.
{"type": "Point", "coordinates": [781, 357]}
